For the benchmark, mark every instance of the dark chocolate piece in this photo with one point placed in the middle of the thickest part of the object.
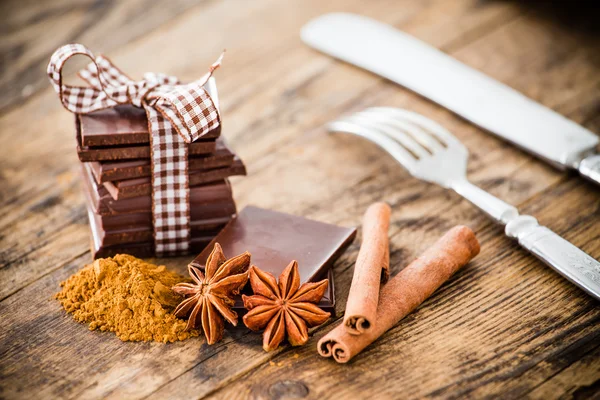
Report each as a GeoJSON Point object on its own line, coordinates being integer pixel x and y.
{"type": "Point", "coordinates": [209, 201]}
{"type": "Point", "coordinates": [120, 125]}
{"type": "Point", "coordinates": [138, 235]}
{"type": "Point", "coordinates": [141, 250]}
{"type": "Point", "coordinates": [107, 171]}
{"type": "Point", "coordinates": [126, 124]}
{"type": "Point", "coordinates": [143, 186]}
{"type": "Point", "coordinates": [134, 152]}
{"type": "Point", "coordinates": [274, 239]}
{"type": "Point", "coordinates": [327, 302]}
{"type": "Point", "coordinates": [144, 221]}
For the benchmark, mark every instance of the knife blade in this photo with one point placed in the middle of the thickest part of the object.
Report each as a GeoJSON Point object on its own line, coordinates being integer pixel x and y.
{"type": "Point", "coordinates": [487, 103]}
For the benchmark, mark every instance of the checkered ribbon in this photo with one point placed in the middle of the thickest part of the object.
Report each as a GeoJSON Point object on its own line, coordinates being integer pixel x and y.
{"type": "Point", "coordinates": [177, 114]}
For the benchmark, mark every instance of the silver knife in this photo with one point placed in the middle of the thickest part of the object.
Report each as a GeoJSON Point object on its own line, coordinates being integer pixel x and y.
{"type": "Point", "coordinates": [491, 105]}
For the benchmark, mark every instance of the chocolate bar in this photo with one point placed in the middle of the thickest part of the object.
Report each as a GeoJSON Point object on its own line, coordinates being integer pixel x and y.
{"type": "Point", "coordinates": [107, 171]}
{"type": "Point", "coordinates": [144, 234]}
{"type": "Point", "coordinates": [117, 126]}
{"type": "Point", "coordinates": [145, 249]}
{"type": "Point", "coordinates": [143, 186]}
{"type": "Point", "coordinates": [139, 236]}
{"type": "Point", "coordinates": [274, 239]}
{"type": "Point", "coordinates": [208, 201]}
{"type": "Point", "coordinates": [86, 154]}
{"type": "Point", "coordinates": [143, 221]}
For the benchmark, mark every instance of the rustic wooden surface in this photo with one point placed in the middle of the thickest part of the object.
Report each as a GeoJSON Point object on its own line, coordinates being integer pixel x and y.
{"type": "Point", "coordinates": [506, 325]}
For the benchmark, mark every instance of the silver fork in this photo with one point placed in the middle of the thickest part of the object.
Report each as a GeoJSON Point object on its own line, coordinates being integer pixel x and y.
{"type": "Point", "coordinates": [431, 153]}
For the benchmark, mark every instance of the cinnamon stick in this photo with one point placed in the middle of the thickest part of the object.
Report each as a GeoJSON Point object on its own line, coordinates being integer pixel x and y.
{"type": "Point", "coordinates": [372, 266]}
{"type": "Point", "coordinates": [406, 291]}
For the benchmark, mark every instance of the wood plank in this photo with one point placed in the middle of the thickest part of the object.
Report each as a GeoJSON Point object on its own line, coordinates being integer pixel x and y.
{"type": "Point", "coordinates": [275, 98]}
{"type": "Point", "coordinates": [27, 45]}
{"type": "Point", "coordinates": [435, 219]}
{"type": "Point", "coordinates": [498, 327]}
{"type": "Point", "coordinates": [60, 247]}
{"type": "Point", "coordinates": [578, 380]}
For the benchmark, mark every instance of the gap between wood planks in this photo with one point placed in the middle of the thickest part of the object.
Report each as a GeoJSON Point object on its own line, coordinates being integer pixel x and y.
{"type": "Point", "coordinates": [70, 260]}
{"type": "Point", "coordinates": [544, 390]}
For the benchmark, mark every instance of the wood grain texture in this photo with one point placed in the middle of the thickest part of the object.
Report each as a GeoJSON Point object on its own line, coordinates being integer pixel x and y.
{"type": "Point", "coordinates": [32, 30]}
{"type": "Point", "coordinates": [504, 326]}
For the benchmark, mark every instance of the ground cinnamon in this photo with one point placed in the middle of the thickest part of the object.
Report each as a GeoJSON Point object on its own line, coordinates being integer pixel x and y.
{"type": "Point", "coordinates": [406, 291]}
{"type": "Point", "coordinates": [372, 266]}
{"type": "Point", "coordinates": [127, 296]}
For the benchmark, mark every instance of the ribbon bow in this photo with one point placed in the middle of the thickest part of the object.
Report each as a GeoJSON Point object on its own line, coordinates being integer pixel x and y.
{"type": "Point", "coordinates": [177, 113]}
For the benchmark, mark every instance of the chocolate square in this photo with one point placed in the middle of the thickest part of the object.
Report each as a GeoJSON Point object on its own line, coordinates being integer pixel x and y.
{"type": "Point", "coordinates": [274, 239]}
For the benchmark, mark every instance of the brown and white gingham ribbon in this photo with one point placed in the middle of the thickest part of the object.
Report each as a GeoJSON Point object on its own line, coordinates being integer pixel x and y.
{"type": "Point", "coordinates": [177, 114]}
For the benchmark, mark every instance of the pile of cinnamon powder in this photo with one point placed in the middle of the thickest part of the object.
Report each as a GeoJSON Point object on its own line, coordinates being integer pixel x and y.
{"type": "Point", "coordinates": [127, 296]}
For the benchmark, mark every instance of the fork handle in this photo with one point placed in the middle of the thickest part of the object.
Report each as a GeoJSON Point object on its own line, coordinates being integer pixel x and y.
{"type": "Point", "coordinates": [500, 211]}
{"type": "Point", "coordinates": [562, 256]}
{"type": "Point", "coordinates": [590, 168]}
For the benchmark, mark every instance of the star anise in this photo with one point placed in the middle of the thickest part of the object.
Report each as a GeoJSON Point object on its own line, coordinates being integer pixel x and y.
{"type": "Point", "coordinates": [211, 294]}
{"type": "Point", "coordinates": [284, 307]}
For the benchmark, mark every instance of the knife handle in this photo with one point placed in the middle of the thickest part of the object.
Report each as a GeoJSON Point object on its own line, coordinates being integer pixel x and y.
{"type": "Point", "coordinates": [562, 256]}
{"type": "Point", "coordinates": [590, 168]}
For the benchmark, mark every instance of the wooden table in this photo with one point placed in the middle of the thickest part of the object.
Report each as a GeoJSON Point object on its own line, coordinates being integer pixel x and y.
{"type": "Point", "coordinates": [505, 325]}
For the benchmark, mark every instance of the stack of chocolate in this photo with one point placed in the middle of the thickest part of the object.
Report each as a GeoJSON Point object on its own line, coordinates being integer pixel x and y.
{"type": "Point", "coordinates": [114, 148]}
